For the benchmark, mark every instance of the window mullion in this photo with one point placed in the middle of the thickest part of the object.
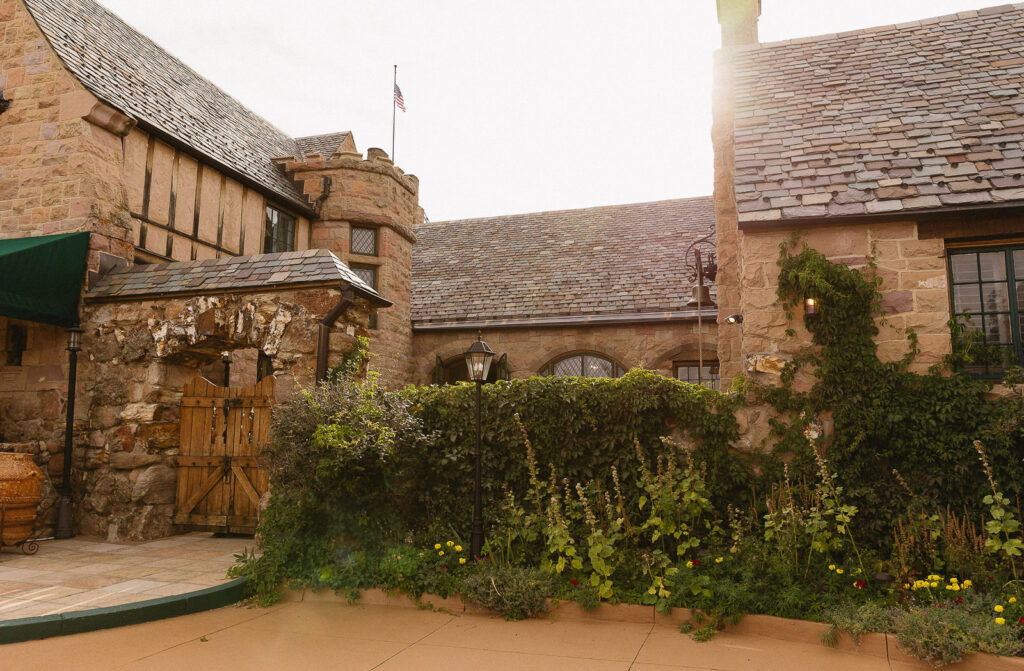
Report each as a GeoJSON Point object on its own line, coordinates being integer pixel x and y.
{"type": "Point", "coordinates": [1011, 280]}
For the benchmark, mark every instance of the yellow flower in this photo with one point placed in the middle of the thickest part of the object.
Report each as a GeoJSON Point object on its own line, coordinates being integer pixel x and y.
{"type": "Point", "coordinates": [953, 579]}
{"type": "Point", "coordinates": [831, 567]}
{"type": "Point", "coordinates": [967, 583]}
{"type": "Point", "coordinates": [839, 571]}
{"type": "Point", "coordinates": [906, 585]}
{"type": "Point", "coordinates": [652, 591]}
{"type": "Point", "coordinates": [998, 608]}
{"type": "Point", "coordinates": [440, 553]}
{"type": "Point", "coordinates": [437, 546]}
{"type": "Point", "coordinates": [719, 560]}
{"type": "Point", "coordinates": [462, 560]}
{"type": "Point", "coordinates": [689, 564]}
{"type": "Point", "coordinates": [1012, 599]}
{"type": "Point", "coordinates": [458, 548]}
{"type": "Point", "coordinates": [450, 543]}
{"type": "Point", "coordinates": [1000, 620]}
{"type": "Point", "coordinates": [935, 584]}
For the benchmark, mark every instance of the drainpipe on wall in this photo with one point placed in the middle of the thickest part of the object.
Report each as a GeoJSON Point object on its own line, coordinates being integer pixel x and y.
{"type": "Point", "coordinates": [348, 297]}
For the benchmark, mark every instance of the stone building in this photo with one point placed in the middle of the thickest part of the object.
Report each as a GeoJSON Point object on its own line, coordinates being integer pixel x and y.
{"type": "Point", "coordinates": [200, 229]}
{"type": "Point", "coordinates": [593, 292]}
{"type": "Point", "coordinates": [203, 252]}
{"type": "Point", "coordinates": [902, 142]}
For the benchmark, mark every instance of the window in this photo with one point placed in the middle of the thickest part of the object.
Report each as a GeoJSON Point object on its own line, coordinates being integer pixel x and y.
{"type": "Point", "coordinates": [279, 231]}
{"type": "Point", "coordinates": [584, 364]}
{"type": "Point", "coordinates": [363, 241]}
{"type": "Point", "coordinates": [367, 274]}
{"type": "Point", "coordinates": [687, 372]}
{"type": "Point", "coordinates": [15, 344]}
{"type": "Point", "coordinates": [988, 284]}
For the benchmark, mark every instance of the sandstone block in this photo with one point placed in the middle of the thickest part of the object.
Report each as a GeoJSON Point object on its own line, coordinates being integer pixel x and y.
{"type": "Point", "coordinates": [765, 363]}
{"type": "Point", "coordinates": [139, 412]}
{"type": "Point", "coordinates": [126, 461]}
{"type": "Point", "coordinates": [898, 301]}
{"type": "Point", "coordinates": [155, 485]}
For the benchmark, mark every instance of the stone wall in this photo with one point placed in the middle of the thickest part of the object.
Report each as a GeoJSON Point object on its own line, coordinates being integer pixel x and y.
{"type": "Point", "coordinates": [654, 346]}
{"type": "Point", "coordinates": [136, 357]}
{"type": "Point", "coordinates": [372, 192]}
{"type": "Point", "coordinates": [914, 288]}
{"type": "Point", "coordinates": [61, 149]}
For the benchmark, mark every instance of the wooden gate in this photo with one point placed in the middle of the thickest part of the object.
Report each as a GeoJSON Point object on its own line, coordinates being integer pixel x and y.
{"type": "Point", "coordinates": [220, 474]}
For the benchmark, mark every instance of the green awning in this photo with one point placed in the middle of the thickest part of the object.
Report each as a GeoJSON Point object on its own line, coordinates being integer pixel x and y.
{"type": "Point", "coordinates": [41, 277]}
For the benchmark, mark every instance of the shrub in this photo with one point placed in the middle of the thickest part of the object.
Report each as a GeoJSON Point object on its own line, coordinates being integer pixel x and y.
{"type": "Point", "coordinates": [515, 592]}
{"type": "Point", "coordinates": [944, 635]}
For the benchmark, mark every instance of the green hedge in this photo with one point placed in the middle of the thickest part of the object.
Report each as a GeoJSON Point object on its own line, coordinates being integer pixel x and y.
{"type": "Point", "coordinates": [582, 427]}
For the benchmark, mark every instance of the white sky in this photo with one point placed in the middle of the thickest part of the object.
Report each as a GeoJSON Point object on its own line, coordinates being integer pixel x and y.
{"type": "Point", "coordinates": [512, 106]}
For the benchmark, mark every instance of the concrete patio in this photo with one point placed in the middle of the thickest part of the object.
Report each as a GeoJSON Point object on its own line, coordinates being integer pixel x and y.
{"type": "Point", "coordinates": [83, 573]}
{"type": "Point", "coordinates": [333, 635]}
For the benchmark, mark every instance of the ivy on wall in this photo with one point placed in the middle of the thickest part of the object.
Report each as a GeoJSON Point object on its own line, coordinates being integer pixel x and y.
{"type": "Point", "coordinates": [885, 418]}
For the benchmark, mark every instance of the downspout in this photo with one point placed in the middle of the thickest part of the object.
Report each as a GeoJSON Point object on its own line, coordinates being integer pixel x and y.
{"type": "Point", "coordinates": [348, 297]}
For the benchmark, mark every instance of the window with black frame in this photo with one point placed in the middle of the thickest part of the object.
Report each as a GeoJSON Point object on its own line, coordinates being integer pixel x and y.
{"type": "Point", "coordinates": [279, 231]}
{"type": "Point", "coordinates": [584, 364]}
{"type": "Point", "coordinates": [691, 371]}
{"type": "Point", "coordinates": [367, 274]}
{"type": "Point", "coordinates": [987, 287]}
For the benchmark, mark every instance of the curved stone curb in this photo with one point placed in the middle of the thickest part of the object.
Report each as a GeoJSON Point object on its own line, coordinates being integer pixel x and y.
{"type": "Point", "coordinates": [77, 622]}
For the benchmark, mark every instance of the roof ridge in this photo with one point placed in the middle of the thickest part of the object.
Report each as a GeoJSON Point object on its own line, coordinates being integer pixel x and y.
{"type": "Point", "coordinates": [915, 23]}
{"type": "Point", "coordinates": [570, 209]}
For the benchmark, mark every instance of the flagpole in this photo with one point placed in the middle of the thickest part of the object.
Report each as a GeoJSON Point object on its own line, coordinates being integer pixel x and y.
{"type": "Point", "coordinates": [394, 103]}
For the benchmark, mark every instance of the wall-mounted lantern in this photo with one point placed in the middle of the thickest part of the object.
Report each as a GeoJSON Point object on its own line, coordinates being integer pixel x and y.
{"type": "Point", "coordinates": [736, 318]}
{"type": "Point", "coordinates": [811, 308]}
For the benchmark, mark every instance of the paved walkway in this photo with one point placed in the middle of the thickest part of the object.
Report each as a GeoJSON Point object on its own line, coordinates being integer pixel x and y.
{"type": "Point", "coordinates": [82, 573]}
{"type": "Point", "coordinates": [333, 635]}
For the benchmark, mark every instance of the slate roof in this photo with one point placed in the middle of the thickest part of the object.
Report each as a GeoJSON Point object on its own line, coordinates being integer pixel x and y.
{"type": "Point", "coordinates": [325, 145]}
{"type": "Point", "coordinates": [921, 115]}
{"type": "Point", "coordinates": [254, 272]}
{"type": "Point", "coordinates": [621, 259]}
{"type": "Point", "coordinates": [136, 76]}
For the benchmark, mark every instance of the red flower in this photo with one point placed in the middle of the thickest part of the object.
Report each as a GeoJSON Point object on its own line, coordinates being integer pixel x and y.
{"type": "Point", "coordinates": [574, 582]}
{"type": "Point", "coordinates": [959, 599]}
{"type": "Point", "coordinates": [444, 568]}
{"type": "Point", "coordinates": [860, 584]}
{"type": "Point", "coordinates": [696, 562]}
{"type": "Point", "coordinates": [1021, 620]}
{"type": "Point", "coordinates": [991, 578]}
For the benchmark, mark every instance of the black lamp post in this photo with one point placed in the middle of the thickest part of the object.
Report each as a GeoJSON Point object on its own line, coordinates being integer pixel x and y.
{"type": "Point", "coordinates": [478, 361]}
{"type": "Point", "coordinates": [63, 528]}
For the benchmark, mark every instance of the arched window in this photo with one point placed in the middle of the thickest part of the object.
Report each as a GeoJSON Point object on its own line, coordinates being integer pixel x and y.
{"type": "Point", "coordinates": [583, 364]}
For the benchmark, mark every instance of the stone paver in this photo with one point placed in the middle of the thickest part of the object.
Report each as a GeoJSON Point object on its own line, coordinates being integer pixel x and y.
{"type": "Point", "coordinates": [333, 635]}
{"type": "Point", "coordinates": [82, 573]}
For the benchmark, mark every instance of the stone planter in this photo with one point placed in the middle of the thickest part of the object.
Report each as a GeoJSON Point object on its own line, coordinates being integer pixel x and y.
{"type": "Point", "coordinates": [21, 488]}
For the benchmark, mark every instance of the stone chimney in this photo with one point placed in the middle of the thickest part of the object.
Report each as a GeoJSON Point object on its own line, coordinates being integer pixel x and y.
{"type": "Point", "coordinates": [738, 19]}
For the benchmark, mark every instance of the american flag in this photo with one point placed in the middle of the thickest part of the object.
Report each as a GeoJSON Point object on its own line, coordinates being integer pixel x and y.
{"type": "Point", "coordinates": [398, 98]}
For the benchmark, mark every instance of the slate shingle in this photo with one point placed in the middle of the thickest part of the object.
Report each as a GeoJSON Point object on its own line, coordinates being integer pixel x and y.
{"type": "Point", "coordinates": [138, 77]}
{"type": "Point", "coordinates": [890, 119]}
{"type": "Point", "coordinates": [254, 272]}
{"type": "Point", "coordinates": [619, 259]}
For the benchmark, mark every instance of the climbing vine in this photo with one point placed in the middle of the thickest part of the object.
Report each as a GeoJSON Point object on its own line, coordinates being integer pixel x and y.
{"type": "Point", "coordinates": [884, 416]}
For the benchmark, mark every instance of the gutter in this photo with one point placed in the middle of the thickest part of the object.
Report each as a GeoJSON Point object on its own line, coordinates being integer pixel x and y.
{"type": "Point", "coordinates": [569, 320]}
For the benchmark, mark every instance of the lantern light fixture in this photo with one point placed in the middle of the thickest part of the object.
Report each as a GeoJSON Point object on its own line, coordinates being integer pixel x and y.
{"type": "Point", "coordinates": [74, 339]}
{"type": "Point", "coordinates": [478, 359]}
{"type": "Point", "coordinates": [736, 318]}
{"type": "Point", "coordinates": [811, 306]}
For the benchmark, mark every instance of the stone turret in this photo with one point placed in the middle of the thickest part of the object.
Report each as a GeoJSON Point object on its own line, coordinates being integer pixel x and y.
{"type": "Point", "coordinates": [379, 201]}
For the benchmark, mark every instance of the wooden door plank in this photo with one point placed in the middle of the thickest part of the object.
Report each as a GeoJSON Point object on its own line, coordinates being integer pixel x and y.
{"type": "Point", "coordinates": [246, 486]}
{"type": "Point", "coordinates": [211, 480]}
